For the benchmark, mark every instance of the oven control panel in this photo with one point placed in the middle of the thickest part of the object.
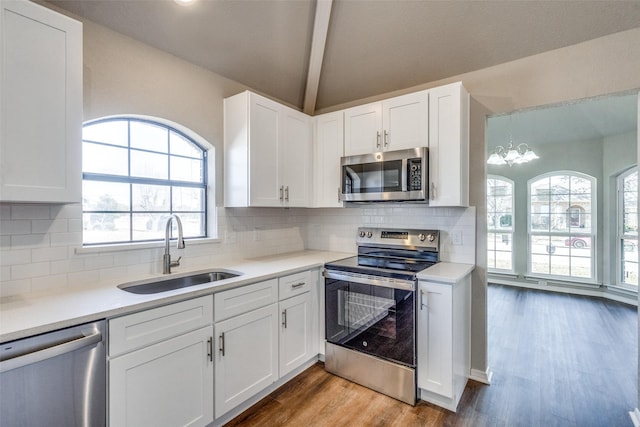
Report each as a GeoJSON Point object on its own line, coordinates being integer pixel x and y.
{"type": "Point", "coordinates": [429, 239]}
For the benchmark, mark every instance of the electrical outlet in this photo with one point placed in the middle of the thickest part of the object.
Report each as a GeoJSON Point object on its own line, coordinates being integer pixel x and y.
{"type": "Point", "coordinates": [456, 238]}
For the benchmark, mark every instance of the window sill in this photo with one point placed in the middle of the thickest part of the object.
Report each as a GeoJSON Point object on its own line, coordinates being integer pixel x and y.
{"type": "Point", "coordinates": [120, 247]}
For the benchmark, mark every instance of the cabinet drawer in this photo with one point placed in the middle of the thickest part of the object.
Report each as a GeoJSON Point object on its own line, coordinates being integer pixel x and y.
{"type": "Point", "coordinates": [147, 327]}
{"type": "Point", "coordinates": [294, 284]}
{"type": "Point", "coordinates": [246, 298]}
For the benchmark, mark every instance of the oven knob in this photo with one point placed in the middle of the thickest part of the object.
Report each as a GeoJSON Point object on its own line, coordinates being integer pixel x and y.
{"type": "Point", "coordinates": [421, 237]}
{"type": "Point", "coordinates": [362, 233]}
{"type": "Point", "coordinates": [369, 234]}
{"type": "Point", "coordinates": [431, 237]}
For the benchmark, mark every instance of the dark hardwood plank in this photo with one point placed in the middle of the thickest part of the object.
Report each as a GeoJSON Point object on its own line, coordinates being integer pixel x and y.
{"type": "Point", "coordinates": [558, 360]}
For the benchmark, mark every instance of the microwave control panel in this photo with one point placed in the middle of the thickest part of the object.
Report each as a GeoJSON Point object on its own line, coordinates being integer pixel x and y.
{"type": "Point", "coordinates": [414, 167]}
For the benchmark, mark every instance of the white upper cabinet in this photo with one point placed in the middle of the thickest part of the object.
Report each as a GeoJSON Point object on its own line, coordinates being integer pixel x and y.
{"type": "Point", "coordinates": [328, 148]}
{"type": "Point", "coordinates": [41, 95]}
{"type": "Point", "coordinates": [449, 146]}
{"type": "Point", "coordinates": [393, 124]}
{"type": "Point", "coordinates": [267, 150]}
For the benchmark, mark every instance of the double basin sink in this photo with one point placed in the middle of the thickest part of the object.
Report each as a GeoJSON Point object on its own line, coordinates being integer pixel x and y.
{"type": "Point", "coordinates": [154, 286]}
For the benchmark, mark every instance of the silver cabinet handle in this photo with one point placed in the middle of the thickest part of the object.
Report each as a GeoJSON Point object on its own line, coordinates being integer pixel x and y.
{"type": "Point", "coordinates": [378, 139]}
{"type": "Point", "coordinates": [286, 193]}
{"type": "Point", "coordinates": [297, 285]}
{"type": "Point", "coordinates": [284, 318]}
{"type": "Point", "coordinates": [281, 190]}
{"type": "Point", "coordinates": [432, 194]}
{"type": "Point", "coordinates": [210, 349]}
{"type": "Point", "coordinates": [386, 138]}
{"type": "Point", "coordinates": [424, 300]}
{"type": "Point", "coordinates": [339, 199]}
{"type": "Point", "coordinates": [50, 352]}
{"type": "Point", "coordinates": [221, 342]}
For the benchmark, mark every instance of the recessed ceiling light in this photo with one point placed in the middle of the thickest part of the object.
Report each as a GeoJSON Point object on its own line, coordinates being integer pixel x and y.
{"type": "Point", "coordinates": [184, 2]}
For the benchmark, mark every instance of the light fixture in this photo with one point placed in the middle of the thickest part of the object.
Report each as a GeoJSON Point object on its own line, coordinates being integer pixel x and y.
{"type": "Point", "coordinates": [184, 2]}
{"type": "Point", "coordinates": [511, 155]}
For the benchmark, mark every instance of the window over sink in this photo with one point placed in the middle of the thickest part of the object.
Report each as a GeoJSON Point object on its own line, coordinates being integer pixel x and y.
{"type": "Point", "coordinates": [137, 172]}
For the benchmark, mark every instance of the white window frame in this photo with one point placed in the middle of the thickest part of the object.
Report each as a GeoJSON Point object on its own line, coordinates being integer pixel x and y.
{"type": "Point", "coordinates": [620, 234]}
{"type": "Point", "coordinates": [592, 234]}
{"type": "Point", "coordinates": [210, 217]}
{"type": "Point", "coordinates": [511, 232]}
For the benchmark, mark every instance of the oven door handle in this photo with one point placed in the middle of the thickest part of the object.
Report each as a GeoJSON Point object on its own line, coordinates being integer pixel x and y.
{"type": "Point", "coordinates": [406, 285]}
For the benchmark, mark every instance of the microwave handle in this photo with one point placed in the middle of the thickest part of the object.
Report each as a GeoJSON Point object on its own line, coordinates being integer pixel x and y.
{"type": "Point", "coordinates": [405, 175]}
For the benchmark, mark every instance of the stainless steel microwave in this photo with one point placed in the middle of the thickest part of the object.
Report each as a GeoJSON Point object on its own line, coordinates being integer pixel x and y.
{"type": "Point", "coordinates": [386, 176]}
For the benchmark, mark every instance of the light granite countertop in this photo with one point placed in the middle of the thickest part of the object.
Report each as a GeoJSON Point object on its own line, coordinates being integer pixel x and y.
{"type": "Point", "coordinates": [35, 313]}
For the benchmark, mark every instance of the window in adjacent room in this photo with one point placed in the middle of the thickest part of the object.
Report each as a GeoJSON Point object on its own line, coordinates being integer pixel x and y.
{"type": "Point", "coordinates": [500, 214]}
{"type": "Point", "coordinates": [562, 225]}
{"type": "Point", "coordinates": [136, 173]}
{"type": "Point", "coordinates": [628, 227]}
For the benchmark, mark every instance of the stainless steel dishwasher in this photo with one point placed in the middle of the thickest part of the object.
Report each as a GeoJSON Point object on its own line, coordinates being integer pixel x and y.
{"type": "Point", "coordinates": [55, 379]}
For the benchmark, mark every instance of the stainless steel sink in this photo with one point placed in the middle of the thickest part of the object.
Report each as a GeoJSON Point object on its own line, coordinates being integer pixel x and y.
{"type": "Point", "coordinates": [154, 286]}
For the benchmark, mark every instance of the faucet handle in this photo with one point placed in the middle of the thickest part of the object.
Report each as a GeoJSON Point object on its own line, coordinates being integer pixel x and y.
{"type": "Point", "coordinates": [176, 263]}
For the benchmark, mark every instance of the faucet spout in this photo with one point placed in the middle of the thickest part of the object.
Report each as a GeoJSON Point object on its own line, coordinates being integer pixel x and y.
{"type": "Point", "coordinates": [166, 258]}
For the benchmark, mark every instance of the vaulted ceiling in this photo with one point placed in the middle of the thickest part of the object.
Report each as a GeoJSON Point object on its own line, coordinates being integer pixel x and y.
{"type": "Point", "coordinates": [372, 46]}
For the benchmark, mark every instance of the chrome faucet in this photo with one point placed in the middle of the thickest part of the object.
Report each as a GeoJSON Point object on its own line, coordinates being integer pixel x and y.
{"type": "Point", "coordinates": [166, 259]}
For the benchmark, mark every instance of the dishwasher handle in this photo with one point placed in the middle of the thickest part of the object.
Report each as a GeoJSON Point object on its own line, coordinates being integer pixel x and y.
{"type": "Point", "coordinates": [50, 352]}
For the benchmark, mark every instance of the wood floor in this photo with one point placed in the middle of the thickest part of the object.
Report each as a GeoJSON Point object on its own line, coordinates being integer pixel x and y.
{"type": "Point", "coordinates": [557, 360]}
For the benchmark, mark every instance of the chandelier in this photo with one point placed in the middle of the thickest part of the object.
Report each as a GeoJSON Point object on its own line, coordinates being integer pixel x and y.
{"type": "Point", "coordinates": [511, 155]}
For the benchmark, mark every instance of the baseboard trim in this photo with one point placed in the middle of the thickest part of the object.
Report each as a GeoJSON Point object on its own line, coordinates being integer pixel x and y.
{"type": "Point", "coordinates": [481, 376]}
{"type": "Point", "coordinates": [635, 417]}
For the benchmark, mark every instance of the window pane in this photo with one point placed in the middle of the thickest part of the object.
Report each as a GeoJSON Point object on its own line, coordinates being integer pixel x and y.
{"type": "Point", "coordinates": [105, 196]}
{"type": "Point", "coordinates": [149, 226]}
{"type": "Point", "coordinates": [149, 165]}
{"type": "Point", "coordinates": [540, 222]}
{"type": "Point", "coordinates": [503, 260]}
{"type": "Point", "coordinates": [104, 159]}
{"type": "Point", "coordinates": [580, 267]}
{"type": "Point", "coordinates": [151, 197]}
{"type": "Point", "coordinates": [114, 132]}
{"type": "Point", "coordinates": [183, 147]}
{"type": "Point", "coordinates": [540, 264]}
{"type": "Point", "coordinates": [558, 222]}
{"type": "Point", "coordinates": [183, 169]}
{"type": "Point", "coordinates": [539, 245]}
{"type": "Point", "coordinates": [188, 199]}
{"type": "Point", "coordinates": [192, 224]}
{"type": "Point", "coordinates": [581, 187]}
{"type": "Point", "coordinates": [559, 184]}
{"type": "Point", "coordinates": [105, 227]}
{"type": "Point", "coordinates": [148, 136]}
{"type": "Point", "coordinates": [559, 265]}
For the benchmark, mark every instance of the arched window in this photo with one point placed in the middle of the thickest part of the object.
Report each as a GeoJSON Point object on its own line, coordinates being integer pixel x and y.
{"type": "Point", "coordinates": [628, 227]}
{"type": "Point", "coordinates": [500, 227]}
{"type": "Point", "coordinates": [562, 225]}
{"type": "Point", "coordinates": [136, 173]}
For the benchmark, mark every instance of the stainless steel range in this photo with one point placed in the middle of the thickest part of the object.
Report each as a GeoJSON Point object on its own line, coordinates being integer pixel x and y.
{"type": "Point", "coordinates": [370, 309]}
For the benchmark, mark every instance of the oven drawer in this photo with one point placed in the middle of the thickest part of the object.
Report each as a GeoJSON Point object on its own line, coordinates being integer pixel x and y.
{"type": "Point", "coordinates": [294, 284]}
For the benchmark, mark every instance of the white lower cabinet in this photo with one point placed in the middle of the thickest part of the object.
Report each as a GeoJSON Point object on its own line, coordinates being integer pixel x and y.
{"type": "Point", "coordinates": [165, 375]}
{"type": "Point", "coordinates": [167, 384]}
{"type": "Point", "coordinates": [296, 332]}
{"type": "Point", "coordinates": [443, 341]}
{"type": "Point", "coordinates": [246, 344]}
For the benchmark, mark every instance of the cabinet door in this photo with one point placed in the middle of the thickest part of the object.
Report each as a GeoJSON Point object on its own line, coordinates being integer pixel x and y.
{"type": "Point", "coordinates": [329, 147]}
{"type": "Point", "coordinates": [167, 384]}
{"type": "Point", "coordinates": [296, 324]}
{"type": "Point", "coordinates": [405, 122]}
{"type": "Point", "coordinates": [296, 171]}
{"type": "Point", "coordinates": [363, 129]}
{"type": "Point", "coordinates": [449, 146]}
{"type": "Point", "coordinates": [265, 121]}
{"type": "Point", "coordinates": [435, 339]}
{"type": "Point", "coordinates": [41, 96]}
{"type": "Point", "coordinates": [246, 349]}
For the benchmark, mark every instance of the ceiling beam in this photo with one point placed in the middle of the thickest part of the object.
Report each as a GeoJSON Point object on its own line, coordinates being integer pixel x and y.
{"type": "Point", "coordinates": [318, 40]}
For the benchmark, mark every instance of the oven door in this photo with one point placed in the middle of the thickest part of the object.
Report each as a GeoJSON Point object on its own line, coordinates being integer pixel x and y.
{"type": "Point", "coordinates": [371, 316]}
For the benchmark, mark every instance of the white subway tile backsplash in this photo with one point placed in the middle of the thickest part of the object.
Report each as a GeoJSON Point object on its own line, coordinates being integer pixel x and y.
{"type": "Point", "coordinates": [27, 271]}
{"type": "Point", "coordinates": [39, 242]}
